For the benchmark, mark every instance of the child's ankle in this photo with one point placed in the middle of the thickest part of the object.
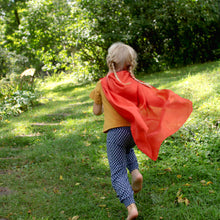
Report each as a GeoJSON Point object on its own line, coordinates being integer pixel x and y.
{"type": "Point", "coordinates": [137, 180]}
{"type": "Point", "coordinates": [132, 212]}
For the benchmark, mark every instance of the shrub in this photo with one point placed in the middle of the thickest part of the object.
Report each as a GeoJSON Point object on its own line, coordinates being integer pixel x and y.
{"type": "Point", "coordinates": [17, 102]}
{"type": "Point", "coordinates": [14, 100]}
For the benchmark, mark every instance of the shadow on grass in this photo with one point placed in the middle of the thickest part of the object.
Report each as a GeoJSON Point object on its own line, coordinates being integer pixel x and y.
{"type": "Point", "coordinates": [68, 87]}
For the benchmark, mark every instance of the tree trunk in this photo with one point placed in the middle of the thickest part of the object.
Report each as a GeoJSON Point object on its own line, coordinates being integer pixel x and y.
{"type": "Point", "coordinates": [17, 16]}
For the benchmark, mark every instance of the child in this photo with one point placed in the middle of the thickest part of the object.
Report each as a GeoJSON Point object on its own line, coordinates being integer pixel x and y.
{"type": "Point", "coordinates": [135, 113]}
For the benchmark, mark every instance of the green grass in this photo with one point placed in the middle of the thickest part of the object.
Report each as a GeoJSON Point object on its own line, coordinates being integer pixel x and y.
{"type": "Point", "coordinates": [53, 161]}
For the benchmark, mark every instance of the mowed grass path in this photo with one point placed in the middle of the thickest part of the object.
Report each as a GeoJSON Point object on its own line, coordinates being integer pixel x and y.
{"type": "Point", "coordinates": [53, 162]}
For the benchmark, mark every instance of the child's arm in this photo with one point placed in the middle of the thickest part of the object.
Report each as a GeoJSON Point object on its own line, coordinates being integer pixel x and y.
{"type": "Point", "coordinates": [97, 109]}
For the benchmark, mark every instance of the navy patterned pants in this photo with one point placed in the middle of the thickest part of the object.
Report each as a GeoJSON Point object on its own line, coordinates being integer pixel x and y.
{"type": "Point", "coordinates": [121, 157]}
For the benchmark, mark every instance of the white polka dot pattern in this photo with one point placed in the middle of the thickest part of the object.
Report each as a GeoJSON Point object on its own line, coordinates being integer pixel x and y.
{"type": "Point", "coordinates": [121, 156]}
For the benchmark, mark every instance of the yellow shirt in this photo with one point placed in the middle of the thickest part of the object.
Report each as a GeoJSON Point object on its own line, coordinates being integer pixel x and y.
{"type": "Point", "coordinates": [111, 118]}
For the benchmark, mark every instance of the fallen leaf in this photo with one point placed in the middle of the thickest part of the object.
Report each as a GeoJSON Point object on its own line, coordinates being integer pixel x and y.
{"type": "Point", "coordinates": [55, 190]}
{"type": "Point", "coordinates": [87, 143]}
{"type": "Point", "coordinates": [163, 189]}
{"type": "Point", "coordinates": [187, 184]}
{"type": "Point", "coordinates": [179, 176]}
{"type": "Point", "coordinates": [211, 191]}
{"type": "Point", "coordinates": [75, 217]}
{"type": "Point", "coordinates": [168, 169]}
{"type": "Point", "coordinates": [61, 177]}
{"type": "Point", "coordinates": [180, 199]}
{"type": "Point", "coordinates": [102, 206]}
{"type": "Point", "coordinates": [186, 201]}
{"type": "Point", "coordinates": [77, 184]}
{"type": "Point", "coordinates": [209, 182]}
{"type": "Point", "coordinates": [178, 193]}
{"type": "Point", "coordinates": [161, 173]}
{"type": "Point", "coordinates": [203, 182]}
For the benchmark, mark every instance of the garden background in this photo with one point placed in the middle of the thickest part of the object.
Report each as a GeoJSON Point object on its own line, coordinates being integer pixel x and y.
{"type": "Point", "coordinates": [53, 163]}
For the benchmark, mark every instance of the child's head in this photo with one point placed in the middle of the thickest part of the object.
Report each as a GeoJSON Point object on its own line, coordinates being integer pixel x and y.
{"type": "Point", "coordinates": [121, 57]}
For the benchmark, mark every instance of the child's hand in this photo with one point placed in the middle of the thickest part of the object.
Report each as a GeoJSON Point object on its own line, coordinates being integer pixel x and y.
{"type": "Point", "coordinates": [97, 109]}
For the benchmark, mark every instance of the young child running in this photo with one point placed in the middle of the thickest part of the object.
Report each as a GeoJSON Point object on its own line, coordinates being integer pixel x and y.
{"type": "Point", "coordinates": [135, 113]}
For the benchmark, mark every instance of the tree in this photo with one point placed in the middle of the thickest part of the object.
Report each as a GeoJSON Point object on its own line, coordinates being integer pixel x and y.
{"type": "Point", "coordinates": [51, 35]}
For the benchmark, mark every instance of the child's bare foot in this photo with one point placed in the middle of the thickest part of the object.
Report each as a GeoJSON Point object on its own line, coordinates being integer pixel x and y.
{"type": "Point", "coordinates": [132, 212]}
{"type": "Point", "coordinates": [136, 180]}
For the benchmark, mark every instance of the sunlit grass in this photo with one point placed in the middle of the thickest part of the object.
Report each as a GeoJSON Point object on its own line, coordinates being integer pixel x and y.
{"type": "Point", "coordinates": [59, 169]}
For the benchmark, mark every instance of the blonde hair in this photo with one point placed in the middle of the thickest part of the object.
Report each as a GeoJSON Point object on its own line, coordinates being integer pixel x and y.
{"type": "Point", "coordinates": [122, 57]}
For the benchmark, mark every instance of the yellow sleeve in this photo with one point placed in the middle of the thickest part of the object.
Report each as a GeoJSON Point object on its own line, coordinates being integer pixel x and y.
{"type": "Point", "coordinates": [96, 94]}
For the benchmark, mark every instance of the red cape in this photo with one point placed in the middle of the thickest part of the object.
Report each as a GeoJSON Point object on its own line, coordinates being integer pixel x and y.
{"type": "Point", "coordinates": [154, 114]}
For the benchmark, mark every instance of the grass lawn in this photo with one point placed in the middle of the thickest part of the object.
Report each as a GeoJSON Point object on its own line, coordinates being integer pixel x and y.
{"type": "Point", "coordinates": [53, 162]}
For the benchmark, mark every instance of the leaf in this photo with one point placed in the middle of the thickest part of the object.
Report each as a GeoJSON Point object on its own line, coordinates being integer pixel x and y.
{"type": "Point", "coordinates": [180, 198]}
{"type": "Point", "coordinates": [186, 201]}
{"type": "Point", "coordinates": [55, 190]}
{"type": "Point", "coordinates": [179, 176]}
{"type": "Point", "coordinates": [178, 193]}
{"type": "Point", "coordinates": [61, 177]}
{"type": "Point", "coordinates": [209, 182]}
{"type": "Point", "coordinates": [187, 184]}
{"type": "Point", "coordinates": [75, 217]}
{"type": "Point", "coordinates": [163, 189]}
{"type": "Point", "coordinates": [203, 182]}
{"type": "Point", "coordinates": [87, 144]}
{"type": "Point", "coordinates": [168, 169]}
{"type": "Point", "coordinates": [97, 137]}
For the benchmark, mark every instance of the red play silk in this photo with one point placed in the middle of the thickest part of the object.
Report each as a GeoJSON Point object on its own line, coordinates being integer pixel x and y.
{"type": "Point", "coordinates": [154, 114]}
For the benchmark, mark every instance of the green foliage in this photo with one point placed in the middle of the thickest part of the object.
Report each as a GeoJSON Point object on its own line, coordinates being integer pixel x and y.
{"type": "Point", "coordinates": [45, 34]}
{"type": "Point", "coordinates": [164, 33]}
{"type": "Point", "coordinates": [11, 63]}
{"type": "Point", "coordinates": [58, 36]}
{"type": "Point", "coordinates": [16, 103]}
{"type": "Point", "coordinates": [13, 99]}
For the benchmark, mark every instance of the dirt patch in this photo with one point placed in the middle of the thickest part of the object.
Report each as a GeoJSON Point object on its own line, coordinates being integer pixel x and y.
{"type": "Point", "coordinates": [29, 135]}
{"type": "Point", "coordinates": [4, 191]}
{"type": "Point", "coordinates": [59, 114]}
{"type": "Point", "coordinates": [2, 172]}
{"type": "Point", "coordinates": [45, 124]}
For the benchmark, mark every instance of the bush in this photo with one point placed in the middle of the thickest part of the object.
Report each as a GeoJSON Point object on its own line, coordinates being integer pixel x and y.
{"type": "Point", "coordinates": [13, 100]}
{"type": "Point", "coordinates": [18, 102]}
